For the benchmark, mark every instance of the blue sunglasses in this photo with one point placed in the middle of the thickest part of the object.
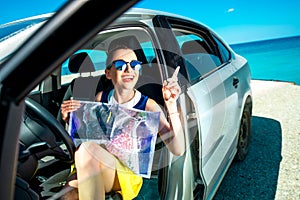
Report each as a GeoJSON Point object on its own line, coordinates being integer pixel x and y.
{"type": "Point", "coordinates": [121, 65]}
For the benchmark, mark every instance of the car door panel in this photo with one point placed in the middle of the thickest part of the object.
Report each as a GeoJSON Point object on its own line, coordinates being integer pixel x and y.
{"type": "Point", "coordinates": [211, 103]}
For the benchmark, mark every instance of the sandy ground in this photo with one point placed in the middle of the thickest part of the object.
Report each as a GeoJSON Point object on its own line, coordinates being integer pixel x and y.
{"type": "Point", "coordinates": [281, 101]}
{"type": "Point", "coordinates": [272, 167]}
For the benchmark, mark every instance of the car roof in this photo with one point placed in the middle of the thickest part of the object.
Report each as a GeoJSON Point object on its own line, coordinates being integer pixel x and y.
{"type": "Point", "coordinates": [148, 12]}
{"type": "Point", "coordinates": [143, 13]}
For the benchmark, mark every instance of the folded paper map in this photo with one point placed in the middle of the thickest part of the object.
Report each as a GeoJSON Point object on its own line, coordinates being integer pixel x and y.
{"type": "Point", "coordinates": [129, 134]}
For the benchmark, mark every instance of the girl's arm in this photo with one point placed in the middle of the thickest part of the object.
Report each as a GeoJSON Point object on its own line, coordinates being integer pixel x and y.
{"type": "Point", "coordinates": [171, 132]}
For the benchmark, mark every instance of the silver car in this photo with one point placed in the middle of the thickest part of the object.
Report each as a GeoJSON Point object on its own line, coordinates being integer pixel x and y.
{"type": "Point", "coordinates": [46, 59]}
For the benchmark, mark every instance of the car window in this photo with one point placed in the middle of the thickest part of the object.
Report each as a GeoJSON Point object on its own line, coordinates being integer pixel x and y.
{"type": "Point", "coordinates": [200, 59]}
{"type": "Point", "coordinates": [148, 50]}
{"type": "Point", "coordinates": [225, 53]}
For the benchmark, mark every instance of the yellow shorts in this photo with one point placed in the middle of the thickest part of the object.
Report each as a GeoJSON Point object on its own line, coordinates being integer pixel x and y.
{"type": "Point", "coordinates": [130, 183]}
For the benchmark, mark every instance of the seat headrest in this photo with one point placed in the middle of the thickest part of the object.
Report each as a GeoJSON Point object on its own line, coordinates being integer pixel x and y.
{"type": "Point", "coordinates": [81, 62]}
{"type": "Point", "coordinates": [131, 42]}
{"type": "Point", "coordinates": [194, 46]}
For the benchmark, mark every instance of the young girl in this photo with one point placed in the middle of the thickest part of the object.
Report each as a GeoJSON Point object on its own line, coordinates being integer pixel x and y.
{"type": "Point", "coordinates": [98, 171]}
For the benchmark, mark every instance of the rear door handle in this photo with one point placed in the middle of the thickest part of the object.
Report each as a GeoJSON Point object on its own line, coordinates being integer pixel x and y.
{"type": "Point", "coordinates": [235, 82]}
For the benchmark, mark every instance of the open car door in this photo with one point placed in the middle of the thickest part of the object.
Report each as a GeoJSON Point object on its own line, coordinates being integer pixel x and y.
{"type": "Point", "coordinates": [21, 72]}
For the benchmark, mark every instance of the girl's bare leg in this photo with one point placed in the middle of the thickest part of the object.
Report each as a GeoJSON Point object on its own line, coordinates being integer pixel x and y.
{"type": "Point", "coordinates": [96, 171]}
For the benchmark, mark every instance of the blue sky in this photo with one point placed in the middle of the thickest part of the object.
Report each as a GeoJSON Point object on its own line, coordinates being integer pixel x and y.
{"type": "Point", "coordinates": [236, 21]}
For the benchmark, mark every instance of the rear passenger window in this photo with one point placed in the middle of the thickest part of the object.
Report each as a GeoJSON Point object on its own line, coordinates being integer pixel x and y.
{"type": "Point", "coordinates": [199, 57]}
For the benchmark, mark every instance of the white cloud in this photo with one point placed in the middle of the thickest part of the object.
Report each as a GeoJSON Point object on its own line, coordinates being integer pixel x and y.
{"type": "Point", "coordinates": [230, 10]}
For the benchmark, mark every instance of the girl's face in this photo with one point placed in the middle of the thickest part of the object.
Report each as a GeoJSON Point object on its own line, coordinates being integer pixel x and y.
{"type": "Point", "coordinates": [128, 78]}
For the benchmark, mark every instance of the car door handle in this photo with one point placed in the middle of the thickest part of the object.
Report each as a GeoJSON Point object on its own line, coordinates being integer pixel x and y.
{"type": "Point", "coordinates": [191, 116]}
{"type": "Point", "coordinates": [235, 82]}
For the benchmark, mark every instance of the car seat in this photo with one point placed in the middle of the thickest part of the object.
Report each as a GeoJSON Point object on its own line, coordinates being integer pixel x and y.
{"type": "Point", "coordinates": [150, 82]}
{"type": "Point", "coordinates": [194, 46]}
{"type": "Point", "coordinates": [199, 59]}
{"type": "Point", "coordinates": [192, 51]}
{"type": "Point", "coordinates": [85, 87]}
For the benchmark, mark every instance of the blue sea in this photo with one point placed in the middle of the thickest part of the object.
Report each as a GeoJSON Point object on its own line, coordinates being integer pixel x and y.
{"type": "Point", "coordinates": [276, 59]}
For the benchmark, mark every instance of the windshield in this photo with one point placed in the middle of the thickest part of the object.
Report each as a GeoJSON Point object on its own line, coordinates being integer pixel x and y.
{"type": "Point", "coordinates": [14, 34]}
{"type": "Point", "coordinates": [11, 29]}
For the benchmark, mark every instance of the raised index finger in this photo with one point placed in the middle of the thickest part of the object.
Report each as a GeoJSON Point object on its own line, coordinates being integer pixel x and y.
{"type": "Point", "coordinates": [175, 74]}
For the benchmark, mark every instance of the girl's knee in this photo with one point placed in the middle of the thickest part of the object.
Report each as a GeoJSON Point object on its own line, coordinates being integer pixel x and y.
{"type": "Point", "coordinates": [84, 156]}
{"type": "Point", "coordinates": [90, 154]}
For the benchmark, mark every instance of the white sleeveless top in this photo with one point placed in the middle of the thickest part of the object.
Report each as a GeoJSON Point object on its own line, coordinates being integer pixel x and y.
{"type": "Point", "coordinates": [129, 104]}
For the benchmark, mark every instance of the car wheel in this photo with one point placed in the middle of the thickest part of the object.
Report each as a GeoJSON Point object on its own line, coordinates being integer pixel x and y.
{"type": "Point", "coordinates": [244, 135]}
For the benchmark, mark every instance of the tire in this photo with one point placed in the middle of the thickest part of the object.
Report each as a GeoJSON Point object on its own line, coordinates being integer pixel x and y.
{"type": "Point", "coordinates": [244, 135]}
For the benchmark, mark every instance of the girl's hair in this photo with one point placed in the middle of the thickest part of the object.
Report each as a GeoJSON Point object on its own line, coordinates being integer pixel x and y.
{"type": "Point", "coordinates": [111, 51]}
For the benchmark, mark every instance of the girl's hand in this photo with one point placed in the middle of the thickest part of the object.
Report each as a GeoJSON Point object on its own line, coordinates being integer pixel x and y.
{"type": "Point", "coordinates": [171, 89]}
{"type": "Point", "coordinates": [67, 107]}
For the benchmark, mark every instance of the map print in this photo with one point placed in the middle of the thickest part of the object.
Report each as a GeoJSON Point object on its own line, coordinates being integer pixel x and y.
{"type": "Point", "coordinates": [129, 134]}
